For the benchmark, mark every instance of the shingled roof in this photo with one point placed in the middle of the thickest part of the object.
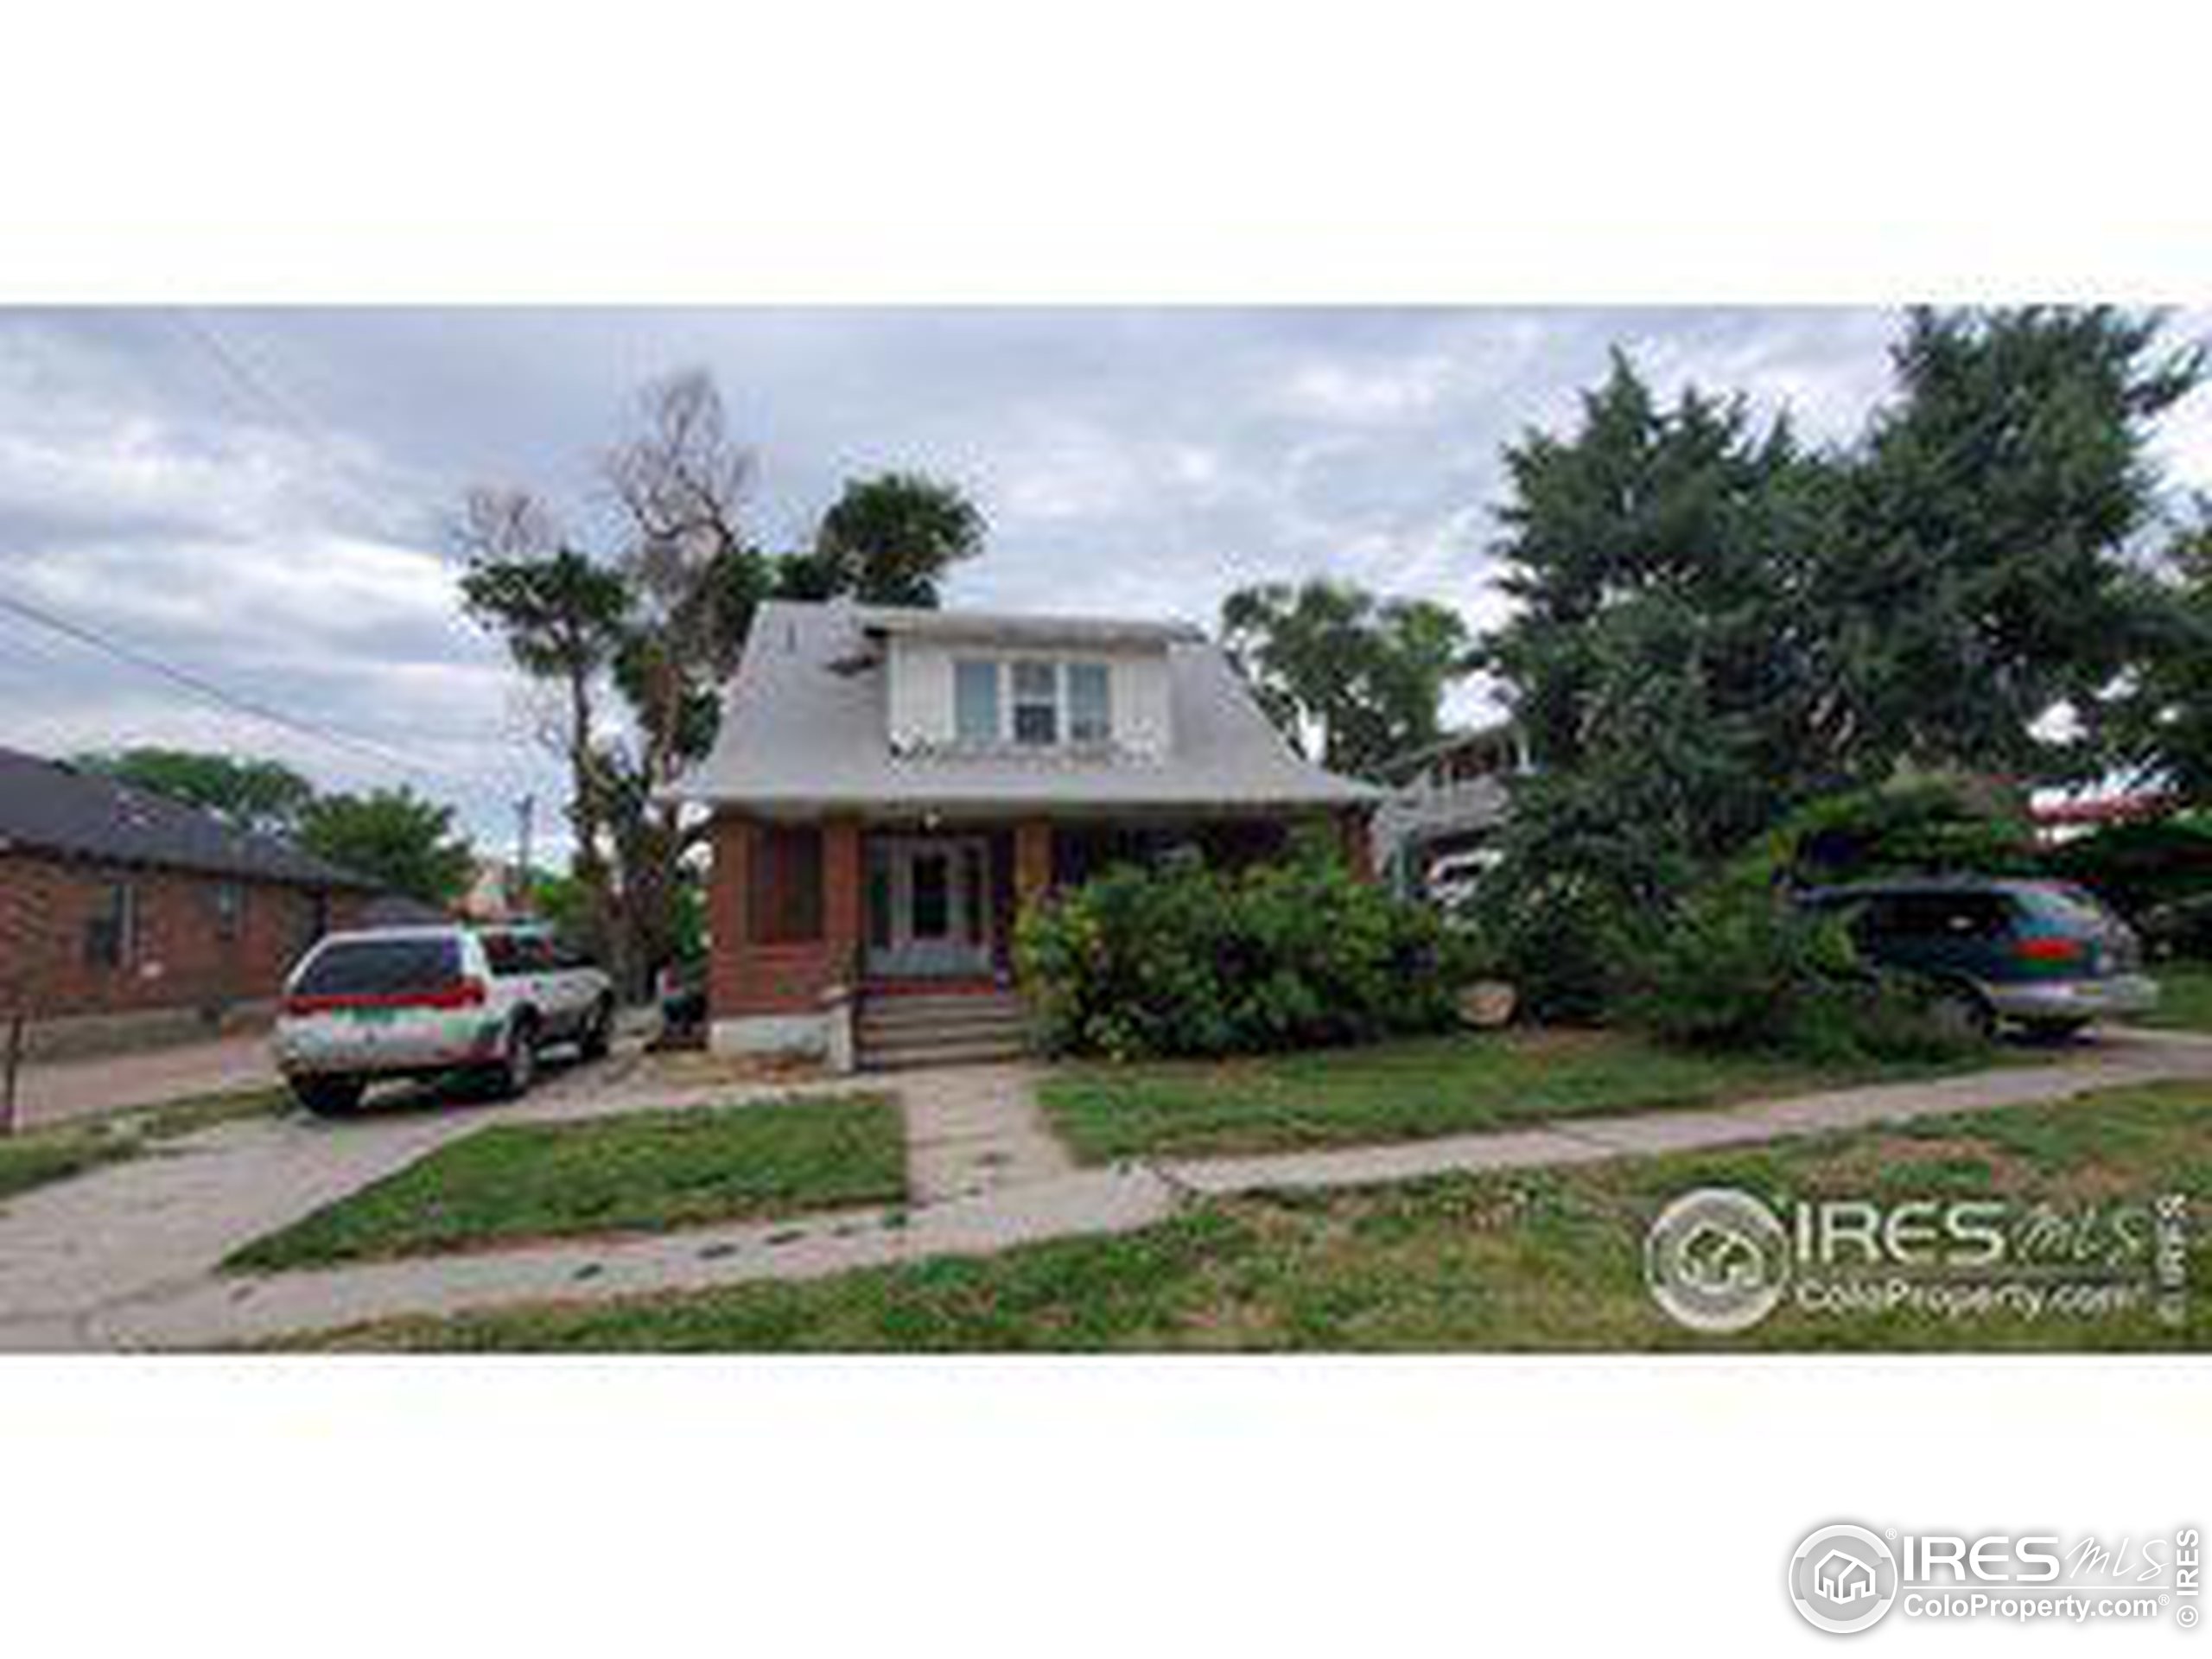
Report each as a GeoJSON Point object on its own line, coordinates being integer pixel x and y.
{"type": "Point", "coordinates": [54, 807]}
{"type": "Point", "coordinates": [804, 725]}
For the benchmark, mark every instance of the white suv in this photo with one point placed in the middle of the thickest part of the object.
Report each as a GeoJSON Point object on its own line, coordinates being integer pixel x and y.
{"type": "Point", "coordinates": [418, 1001]}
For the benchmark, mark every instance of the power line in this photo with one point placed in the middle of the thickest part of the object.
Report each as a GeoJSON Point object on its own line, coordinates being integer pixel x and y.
{"type": "Point", "coordinates": [206, 689]}
{"type": "Point", "coordinates": [256, 384]}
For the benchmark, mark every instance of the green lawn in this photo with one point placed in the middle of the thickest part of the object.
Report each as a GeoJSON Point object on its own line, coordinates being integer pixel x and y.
{"type": "Point", "coordinates": [638, 1171]}
{"type": "Point", "coordinates": [1542, 1260]}
{"type": "Point", "coordinates": [2184, 996]}
{"type": "Point", "coordinates": [1404, 1092]}
{"type": "Point", "coordinates": [52, 1154]}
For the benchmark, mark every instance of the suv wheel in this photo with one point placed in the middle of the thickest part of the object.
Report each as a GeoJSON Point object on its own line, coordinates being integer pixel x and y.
{"type": "Point", "coordinates": [329, 1096]}
{"type": "Point", "coordinates": [517, 1068]}
{"type": "Point", "coordinates": [599, 1030]}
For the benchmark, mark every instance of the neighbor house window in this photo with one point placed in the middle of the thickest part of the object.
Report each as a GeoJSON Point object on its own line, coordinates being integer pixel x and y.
{"type": "Point", "coordinates": [227, 904]}
{"type": "Point", "coordinates": [975, 700]}
{"type": "Point", "coordinates": [112, 930]}
{"type": "Point", "coordinates": [1090, 703]}
{"type": "Point", "coordinates": [1036, 703]}
{"type": "Point", "coordinates": [784, 905]}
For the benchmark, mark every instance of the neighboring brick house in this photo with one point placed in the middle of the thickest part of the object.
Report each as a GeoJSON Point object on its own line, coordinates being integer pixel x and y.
{"type": "Point", "coordinates": [126, 917]}
{"type": "Point", "coordinates": [891, 786]}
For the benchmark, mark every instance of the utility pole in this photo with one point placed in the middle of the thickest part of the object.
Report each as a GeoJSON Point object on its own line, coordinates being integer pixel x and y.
{"type": "Point", "coordinates": [526, 817]}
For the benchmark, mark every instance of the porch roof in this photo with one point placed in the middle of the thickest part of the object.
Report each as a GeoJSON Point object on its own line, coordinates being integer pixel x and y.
{"type": "Point", "coordinates": [804, 725]}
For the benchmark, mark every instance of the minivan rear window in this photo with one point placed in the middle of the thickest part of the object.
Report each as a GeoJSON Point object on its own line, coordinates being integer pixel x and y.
{"type": "Point", "coordinates": [382, 967]}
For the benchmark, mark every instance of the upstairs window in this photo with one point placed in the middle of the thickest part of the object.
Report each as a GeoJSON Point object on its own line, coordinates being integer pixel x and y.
{"type": "Point", "coordinates": [1036, 704]}
{"type": "Point", "coordinates": [975, 701]}
{"type": "Point", "coordinates": [1090, 703]}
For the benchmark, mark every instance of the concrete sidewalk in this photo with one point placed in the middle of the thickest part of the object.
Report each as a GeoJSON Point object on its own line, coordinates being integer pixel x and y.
{"type": "Point", "coordinates": [175, 1226]}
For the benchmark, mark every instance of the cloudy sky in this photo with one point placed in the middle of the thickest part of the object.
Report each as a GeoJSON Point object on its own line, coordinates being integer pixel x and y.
{"type": "Point", "coordinates": [260, 498]}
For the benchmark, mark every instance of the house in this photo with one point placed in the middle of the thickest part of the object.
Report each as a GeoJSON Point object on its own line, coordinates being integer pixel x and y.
{"type": "Point", "coordinates": [891, 786]}
{"type": "Point", "coordinates": [1446, 799]}
{"type": "Point", "coordinates": [128, 917]}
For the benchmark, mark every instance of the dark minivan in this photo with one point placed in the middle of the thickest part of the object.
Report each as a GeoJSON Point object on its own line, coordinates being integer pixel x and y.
{"type": "Point", "coordinates": [2044, 954]}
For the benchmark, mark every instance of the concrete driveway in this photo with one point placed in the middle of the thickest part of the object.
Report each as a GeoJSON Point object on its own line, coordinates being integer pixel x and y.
{"type": "Point", "coordinates": [73, 1253]}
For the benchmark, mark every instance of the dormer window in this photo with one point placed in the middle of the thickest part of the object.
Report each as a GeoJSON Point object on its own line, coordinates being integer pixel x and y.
{"type": "Point", "coordinates": [1090, 703]}
{"type": "Point", "coordinates": [975, 701]}
{"type": "Point", "coordinates": [1036, 704]}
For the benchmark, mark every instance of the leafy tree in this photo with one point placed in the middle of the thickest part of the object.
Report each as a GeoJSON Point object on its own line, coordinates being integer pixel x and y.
{"type": "Point", "coordinates": [1660, 661]}
{"type": "Point", "coordinates": [393, 836]}
{"type": "Point", "coordinates": [1352, 681]}
{"type": "Point", "coordinates": [887, 540]}
{"type": "Point", "coordinates": [1984, 578]}
{"type": "Point", "coordinates": [635, 638]}
{"type": "Point", "coordinates": [2159, 722]}
{"type": "Point", "coordinates": [265, 797]}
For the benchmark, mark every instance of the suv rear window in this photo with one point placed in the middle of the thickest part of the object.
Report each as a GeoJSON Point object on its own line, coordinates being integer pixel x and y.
{"type": "Point", "coordinates": [382, 967]}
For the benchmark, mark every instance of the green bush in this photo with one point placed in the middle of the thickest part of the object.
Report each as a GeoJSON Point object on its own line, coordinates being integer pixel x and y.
{"type": "Point", "coordinates": [1930, 825]}
{"type": "Point", "coordinates": [2139, 868]}
{"type": "Point", "coordinates": [1736, 966]}
{"type": "Point", "coordinates": [1184, 960]}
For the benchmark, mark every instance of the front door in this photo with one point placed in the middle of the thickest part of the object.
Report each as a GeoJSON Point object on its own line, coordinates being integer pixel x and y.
{"type": "Point", "coordinates": [929, 906]}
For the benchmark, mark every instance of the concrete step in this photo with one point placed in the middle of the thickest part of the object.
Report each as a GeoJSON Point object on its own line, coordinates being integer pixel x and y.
{"type": "Point", "coordinates": [966, 1017]}
{"type": "Point", "coordinates": [961, 1025]}
{"type": "Point", "coordinates": [950, 1050]}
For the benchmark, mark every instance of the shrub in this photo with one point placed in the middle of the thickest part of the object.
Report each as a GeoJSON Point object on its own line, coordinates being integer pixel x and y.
{"type": "Point", "coordinates": [1736, 966]}
{"type": "Point", "coordinates": [1183, 960]}
{"type": "Point", "coordinates": [1930, 825]}
{"type": "Point", "coordinates": [2139, 868]}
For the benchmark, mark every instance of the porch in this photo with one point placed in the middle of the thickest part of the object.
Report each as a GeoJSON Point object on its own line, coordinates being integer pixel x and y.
{"type": "Point", "coordinates": [821, 928]}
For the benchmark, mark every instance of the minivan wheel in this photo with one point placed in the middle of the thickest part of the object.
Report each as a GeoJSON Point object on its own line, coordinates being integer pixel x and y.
{"type": "Point", "coordinates": [517, 1066]}
{"type": "Point", "coordinates": [1959, 1013]}
{"type": "Point", "coordinates": [2054, 1031]}
{"type": "Point", "coordinates": [329, 1096]}
{"type": "Point", "coordinates": [599, 1032]}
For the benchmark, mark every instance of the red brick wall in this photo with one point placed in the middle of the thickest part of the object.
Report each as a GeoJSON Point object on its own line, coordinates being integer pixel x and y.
{"type": "Point", "coordinates": [177, 960]}
{"type": "Point", "coordinates": [744, 978]}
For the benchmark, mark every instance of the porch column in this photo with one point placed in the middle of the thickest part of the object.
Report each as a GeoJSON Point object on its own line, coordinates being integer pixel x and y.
{"type": "Point", "coordinates": [729, 846]}
{"type": "Point", "coordinates": [1354, 833]}
{"type": "Point", "coordinates": [841, 897]}
{"type": "Point", "coordinates": [1032, 861]}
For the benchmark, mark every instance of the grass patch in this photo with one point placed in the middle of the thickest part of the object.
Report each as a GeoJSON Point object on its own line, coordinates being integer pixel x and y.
{"type": "Point", "coordinates": [1407, 1090]}
{"type": "Point", "coordinates": [1534, 1261]}
{"type": "Point", "coordinates": [41, 1156]}
{"type": "Point", "coordinates": [634, 1173]}
{"type": "Point", "coordinates": [2184, 997]}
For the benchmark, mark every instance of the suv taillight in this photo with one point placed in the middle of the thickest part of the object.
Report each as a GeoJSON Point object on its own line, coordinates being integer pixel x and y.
{"type": "Point", "coordinates": [2050, 948]}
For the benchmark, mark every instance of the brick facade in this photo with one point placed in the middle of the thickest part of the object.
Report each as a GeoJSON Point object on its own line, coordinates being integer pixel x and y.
{"type": "Point", "coordinates": [747, 979]}
{"type": "Point", "coordinates": [181, 955]}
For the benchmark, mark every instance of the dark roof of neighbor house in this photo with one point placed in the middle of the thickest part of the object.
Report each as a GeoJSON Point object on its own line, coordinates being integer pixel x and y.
{"type": "Point", "coordinates": [54, 807]}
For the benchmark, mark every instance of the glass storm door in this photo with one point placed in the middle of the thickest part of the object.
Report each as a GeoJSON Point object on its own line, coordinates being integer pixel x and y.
{"type": "Point", "coordinates": [929, 906]}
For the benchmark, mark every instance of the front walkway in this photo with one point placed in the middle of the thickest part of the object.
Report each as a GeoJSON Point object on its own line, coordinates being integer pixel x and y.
{"type": "Point", "coordinates": [990, 1178]}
